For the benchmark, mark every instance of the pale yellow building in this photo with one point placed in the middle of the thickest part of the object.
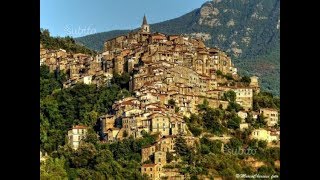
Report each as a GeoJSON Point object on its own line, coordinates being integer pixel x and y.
{"type": "Point", "coordinates": [260, 134]}
{"type": "Point", "coordinates": [159, 123]}
{"type": "Point", "coordinates": [244, 126]}
{"type": "Point", "coordinates": [271, 116]}
{"type": "Point", "coordinates": [243, 115]}
{"type": "Point", "coordinates": [87, 80]}
{"type": "Point", "coordinates": [75, 135]}
{"type": "Point", "coordinates": [244, 97]}
{"type": "Point", "coordinates": [265, 135]}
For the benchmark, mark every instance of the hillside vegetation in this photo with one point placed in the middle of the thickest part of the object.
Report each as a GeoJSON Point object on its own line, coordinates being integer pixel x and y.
{"type": "Point", "coordinates": [66, 43]}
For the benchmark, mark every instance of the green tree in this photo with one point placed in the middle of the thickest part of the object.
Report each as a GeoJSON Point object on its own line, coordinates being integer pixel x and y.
{"type": "Point", "coordinates": [176, 109]}
{"type": "Point", "coordinates": [246, 80]}
{"type": "Point", "coordinates": [219, 73]}
{"type": "Point", "coordinates": [181, 146]}
{"type": "Point", "coordinates": [211, 120]}
{"type": "Point", "coordinates": [169, 157]}
{"type": "Point", "coordinates": [91, 137]}
{"type": "Point", "coordinates": [229, 76]}
{"type": "Point", "coordinates": [262, 144]}
{"type": "Point", "coordinates": [84, 155]}
{"type": "Point", "coordinates": [121, 80]}
{"type": "Point", "coordinates": [204, 106]}
{"type": "Point", "coordinates": [66, 43]}
{"type": "Point", "coordinates": [230, 96]}
{"type": "Point", "coordinates": [265, 100]}
{"type": "Point", "coordinates": [234, 143]}
{"type": "Point", "coordinates": [234, 122]}
{"type": "Point", "coordinates": [196, 131]}
{"type": "Point", "coordinates": [249, 118]}
{"type": "Point", "coordinates": [260, 122]}
{"type": "Point", "coordinates": [233, 106]}
{"type": "Point", "coordinates": [172, 102]}
{"type": "Point", "coordinates": [53, 169]}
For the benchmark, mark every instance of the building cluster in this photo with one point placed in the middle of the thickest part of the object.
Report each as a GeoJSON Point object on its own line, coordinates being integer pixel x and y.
{"type": "Point", "coordinates": [79, 68]}
{"type": "Point", "coordinates": [154, 159]}
{"type": "Point", "coordinates": [164, 66]}
{"type": "Point", "coordinates": [271, 117]}
{"type": "Point", "coordinates": [134, 116]}
{"type": "Point", "coordinates": [169, 76]}
{"type": "Point", "coordinates": [269, 134]}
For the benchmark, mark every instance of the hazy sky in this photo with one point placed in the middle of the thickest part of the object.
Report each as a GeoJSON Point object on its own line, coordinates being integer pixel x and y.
{"type": "Point", "coordinates": [82, 17]}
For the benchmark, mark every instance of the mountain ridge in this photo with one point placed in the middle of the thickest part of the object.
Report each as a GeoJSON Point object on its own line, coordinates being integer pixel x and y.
{"type": "Point", "coordinates": [249, 31]}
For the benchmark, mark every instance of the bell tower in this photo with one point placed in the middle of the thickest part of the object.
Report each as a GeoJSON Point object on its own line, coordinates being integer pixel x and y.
{"type": "Point", "coordinates": [145, 26]}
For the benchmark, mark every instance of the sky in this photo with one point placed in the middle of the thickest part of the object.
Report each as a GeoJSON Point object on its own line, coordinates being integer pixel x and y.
{"type": "Point", "coordinates": [78, 18]}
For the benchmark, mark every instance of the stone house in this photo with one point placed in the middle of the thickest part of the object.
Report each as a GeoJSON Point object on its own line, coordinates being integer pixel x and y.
{"type": "Point", "coordinates": [244, 97]}
{"type": "Point", "coordinates": [112, 134]}
{"type": "Point", "coordinates": [160, 158]}
{"type": "Point", "coordinates": [108, 121]}
{"type": "Point", "coordinates": [159, 123]}
{"type": "Point", "coordinates": [146, 152]}
{"type": "Point", "coordinates": [166, 143]}
{"type": "Point", "coordinates": [152, 170]}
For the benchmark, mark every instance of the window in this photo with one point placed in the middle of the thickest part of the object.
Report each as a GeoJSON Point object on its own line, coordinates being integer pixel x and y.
{"type": "Point", "coordinates": [145, 169]}
{"type": "Point", "coordinates": [151, 170]}
{"type": "Point", "coordinates": [159, 160]}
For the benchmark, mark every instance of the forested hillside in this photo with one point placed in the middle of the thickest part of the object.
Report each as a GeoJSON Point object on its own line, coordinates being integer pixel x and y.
{"type": "Point", "coordinates": [66, 43]}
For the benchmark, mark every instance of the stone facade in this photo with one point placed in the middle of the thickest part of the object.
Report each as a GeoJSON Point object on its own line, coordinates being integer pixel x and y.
{"type": "Point", "coordinates": [152, 170]}
{"type": "Point", "coordinates": [147, 152]}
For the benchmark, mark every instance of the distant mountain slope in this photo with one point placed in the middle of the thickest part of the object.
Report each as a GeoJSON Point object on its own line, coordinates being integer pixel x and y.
{"type": "Point", "coordinates": [95, 41]}
{"type": "Point", "coordinates": [249, 30]}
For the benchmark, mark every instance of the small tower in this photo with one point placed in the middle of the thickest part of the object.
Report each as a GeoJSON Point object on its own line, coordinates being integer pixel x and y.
{"type": "Point", "coordinates": [145, 26]}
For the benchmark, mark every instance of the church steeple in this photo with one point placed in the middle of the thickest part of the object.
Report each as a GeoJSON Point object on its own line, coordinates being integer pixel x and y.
{"type": "Point", "coordinates": [145, 26]}
{"type": "Point", "coordinates": [144, 20]}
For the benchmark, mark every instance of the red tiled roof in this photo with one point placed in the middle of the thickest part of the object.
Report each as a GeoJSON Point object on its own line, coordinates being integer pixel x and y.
{"type": "Point", "coordinates": [79, 127]}
{"type": "Point", "coordinates": [127, 103]}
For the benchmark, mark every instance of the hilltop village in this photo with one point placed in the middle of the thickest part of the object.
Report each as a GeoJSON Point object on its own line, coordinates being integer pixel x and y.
{"type": "Point", "coordinates": [170, 75]}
